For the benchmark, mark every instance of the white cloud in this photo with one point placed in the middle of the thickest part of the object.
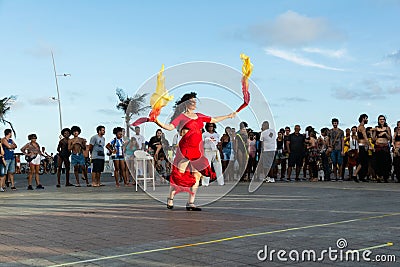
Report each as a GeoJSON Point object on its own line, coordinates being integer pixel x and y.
{"type": "Point", "coordinates": [43, 101]}
{"type": "Point", "coordinates": [294, 58]}
{"type": "Point", "coordinates": [368, 89]}
{"type": "Point", "coordinates": [392, 58]}
{"type": "Point", "coordinates": [341, 53]}
{"type": "Point", "coordinates": [295, 99]}
{"type": "Point", "coordinates": [293, 29]}
{"type": "Point", "coordinates": [40, 50]}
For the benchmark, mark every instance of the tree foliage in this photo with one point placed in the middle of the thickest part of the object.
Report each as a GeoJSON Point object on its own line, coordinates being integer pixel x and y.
{"type": "Point", "coordinates": [5, 106]}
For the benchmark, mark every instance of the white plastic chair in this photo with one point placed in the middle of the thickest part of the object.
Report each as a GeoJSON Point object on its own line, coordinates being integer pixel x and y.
{"type": "Point", "coordinates": [142, 158]}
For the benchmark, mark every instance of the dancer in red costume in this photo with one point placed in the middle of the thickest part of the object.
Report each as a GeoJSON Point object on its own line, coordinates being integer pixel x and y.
{"type": "Point", "coordinates": [189, 163]}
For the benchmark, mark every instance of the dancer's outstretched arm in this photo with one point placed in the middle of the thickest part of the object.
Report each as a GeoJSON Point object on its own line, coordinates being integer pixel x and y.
{"type": "Point", "coordinates": [165, 126]}
{"type": "Point", "coordinates": [221, 118]}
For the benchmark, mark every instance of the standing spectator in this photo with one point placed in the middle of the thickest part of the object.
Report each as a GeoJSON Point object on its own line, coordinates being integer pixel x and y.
{"type": "Point", "coordinates": [63, 157]}
{"type": "Point", "coordinates": [2, 170]}
{"type": "Point", "coordinates": [396, 152]}
{"type": "Point", "coordinates": [96, 148]}
{"type": "Point", "coordinates": [353, 150]}
{"type": "Point", "coordinates": [313, 156]}
{"type": "Point", "coordinates": [363, 147]}
{"type": "Point", "coordinates": [295, 145]}
{"type": "Point", "coordinates": [241, 153]}
{"type": "Point", "coordinates": [18, 164]}
{"type": "Point", "coordinates": [336, 147]}
{"type": "Point", "coordinates": [211, 152]}
{"type": "Point", "coordinates": [130, 147]}
{"type": "Point", "coordinates": [226, 145]}
{"type": "Point", "coordinates": [77, 145]}
{"type": "Point", "coordinates": [285, 151]}
{"type": "Point", "coordinates": [116, 149]}
{"type": "Point", "coordinates": [33, 152]}
{"type": "Point", "coordinates": [371, 157]}
{"type": "Point", "coordinates": [323, 149]}
{"type": "Point", "coordinates": [8, 146]}
{"type": "Point", "coordinates": [306, 164]}
{"type": "Point", "coordinates": [87, 160]}
{"type": "Point", "coordinates": [139, 138]}
{"type": "Point", "coordinates": [346, 147]}
{"type": "Point", "coordinates": [252, 161]}
{"type": "Point", "coordinates": [268, 144]}
{"type": "Point", "coordinates": [280, 157]}
{"type": "Point", "coordinates": [382, 137]}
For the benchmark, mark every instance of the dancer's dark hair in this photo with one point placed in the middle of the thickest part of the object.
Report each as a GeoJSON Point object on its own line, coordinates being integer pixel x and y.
{"type": "Point", "coordinates": [180, 104]}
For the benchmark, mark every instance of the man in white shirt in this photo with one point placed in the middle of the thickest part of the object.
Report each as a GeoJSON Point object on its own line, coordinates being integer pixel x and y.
{"type": "Point", "coordinates": [139, 138]}
{"type": "Point", "coordinates": [211, 152]}
{"type": "Point", "coordinates": [268, 144]}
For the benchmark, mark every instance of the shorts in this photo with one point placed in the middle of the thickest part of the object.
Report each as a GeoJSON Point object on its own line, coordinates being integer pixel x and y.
{"type": "Point", "coordinates": [227, 153]}
{"type": "Point", "coordinates": [77, 159]}
{"type": "Point", "coordinates": [36, 160]}
{"type": "Point", "coordinates": [267, 159]}
{"type": "Point", "coordinates": [295, 159]}
{"type": "Point", "coordinates": [2, 170]}
{"type": "Point", "coordinates": [10, 165]}
{"type": "Point", "coordinates": [118, 158]}
{"type": "Point", "coordinates": [337, 158]}
{"type": "Point", "coordinates": [98, 165]}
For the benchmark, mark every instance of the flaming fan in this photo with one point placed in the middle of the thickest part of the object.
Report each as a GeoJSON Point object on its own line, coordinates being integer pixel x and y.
{"type": "Point", "coordinates": [158, 100]}
{"type": "Point", "coordinates": [247, 68]}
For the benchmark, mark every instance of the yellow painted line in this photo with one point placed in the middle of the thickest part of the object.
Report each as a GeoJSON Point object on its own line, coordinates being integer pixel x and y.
{"type": "Point", "coordinates": [388, 244]}
{"type": "Point", "coordinates": [224, 240]}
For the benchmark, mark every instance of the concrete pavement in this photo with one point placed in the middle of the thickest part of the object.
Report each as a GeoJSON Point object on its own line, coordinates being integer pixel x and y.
{"type": "Point", "coordinates": [109, 226]}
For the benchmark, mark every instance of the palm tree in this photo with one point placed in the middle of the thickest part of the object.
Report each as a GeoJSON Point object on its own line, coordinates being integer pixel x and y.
{"type": "Point", "coordinates": [130, 105]}
{"type": "Point", "coordinates": [5, 105]}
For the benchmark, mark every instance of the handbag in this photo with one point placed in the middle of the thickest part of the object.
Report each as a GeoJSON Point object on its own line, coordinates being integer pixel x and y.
{"type": "Point", "coordinates": [29, 158]}
{"type": "Point", "coordinates": [109, 153]}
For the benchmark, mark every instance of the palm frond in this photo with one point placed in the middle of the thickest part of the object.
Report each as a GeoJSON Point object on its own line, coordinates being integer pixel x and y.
{"type": "Point", "coordinates": [5, 106]}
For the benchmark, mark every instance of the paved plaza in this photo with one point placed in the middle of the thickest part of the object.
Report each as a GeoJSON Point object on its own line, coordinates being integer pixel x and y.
{"type": "Point", "coordinates": [109, 226]}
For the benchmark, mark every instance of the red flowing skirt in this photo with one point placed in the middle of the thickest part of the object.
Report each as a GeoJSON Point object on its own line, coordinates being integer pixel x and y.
{"type": "Point", "coordinates": [182, 182]}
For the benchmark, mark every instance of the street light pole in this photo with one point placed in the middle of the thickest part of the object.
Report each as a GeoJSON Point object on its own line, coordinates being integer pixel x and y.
{"type": "Point", "coordinates": [58, 91]}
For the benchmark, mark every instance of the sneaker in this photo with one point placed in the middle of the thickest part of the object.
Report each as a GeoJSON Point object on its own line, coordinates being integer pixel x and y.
{"type": "Point", "coordinates": [13, 188]}
{"type": "Point", "coordinates": [39, 186]}
{"type": "Point", "coordinates": [30, 187]}
{"type": "Point", "coordinates": [2, 189]}
{"type": "Point", "coordinates": [269, 180]}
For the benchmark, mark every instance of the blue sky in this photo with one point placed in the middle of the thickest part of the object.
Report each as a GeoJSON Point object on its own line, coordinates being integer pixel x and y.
{"type": "Point", "coordinates": [313, 60]}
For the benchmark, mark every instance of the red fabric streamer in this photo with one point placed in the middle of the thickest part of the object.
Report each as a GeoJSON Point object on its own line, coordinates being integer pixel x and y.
{"type": "Point", "coordinates": [247, 69]}
{"type": "Point", "coordinates": [140, 121]}
{"type": "Point", "coordinates": [246, 94]}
